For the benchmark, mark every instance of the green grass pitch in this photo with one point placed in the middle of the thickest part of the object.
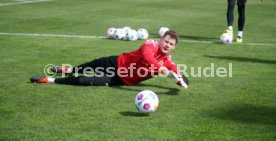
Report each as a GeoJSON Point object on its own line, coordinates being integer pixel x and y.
{"type": "Point", "coordinates": [241, 107]}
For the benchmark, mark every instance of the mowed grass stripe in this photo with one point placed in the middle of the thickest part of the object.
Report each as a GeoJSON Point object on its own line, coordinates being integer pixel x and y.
{"type": "Point", "coordinates": [101, 37]}
{"type": "Point", "coordinates": [22, 2]}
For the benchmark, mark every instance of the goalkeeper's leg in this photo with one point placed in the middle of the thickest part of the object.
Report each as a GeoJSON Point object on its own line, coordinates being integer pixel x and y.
{"type": "Point", "coordinates": [81, 80]}
{"type": "Point", "coordinates": [84, 81]}
{"type": "Point", "coordinates": [241, 19]}
{"type": "Point", "coordinates": [103, 63]}
{"type": "Point", "coordinates": [230, 14]}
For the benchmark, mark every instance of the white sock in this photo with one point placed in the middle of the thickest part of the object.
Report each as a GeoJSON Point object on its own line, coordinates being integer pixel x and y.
{"type": "Point", "coordinates": [51, 80]}
{"type": "Point", "coordinates": [240, 33]}
{"type": "Point", "coordinates": [230, 27]}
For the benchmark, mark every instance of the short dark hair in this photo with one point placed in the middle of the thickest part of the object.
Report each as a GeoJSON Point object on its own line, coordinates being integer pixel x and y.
{"type": "Point", "coordinates": [172, 34]}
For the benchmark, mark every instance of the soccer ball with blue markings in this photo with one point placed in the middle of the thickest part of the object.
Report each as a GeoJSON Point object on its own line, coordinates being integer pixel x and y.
{"type": "Point", "coordinates": [142, 34]}
{"type": "Point", "coordinates": [226, 38]}
{"type": "Point", "coordinates": [119, 34]}
{"type": "Point", "coordinates": [146, 101]}
{"type": "Point", "coordinates": [132, 35]}
{"type": "Point", "coordinates": [111, 32]}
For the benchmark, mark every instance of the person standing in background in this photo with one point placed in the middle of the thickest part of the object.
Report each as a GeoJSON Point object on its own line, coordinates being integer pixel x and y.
{"type": "Point", "coordinates": [241, 20]}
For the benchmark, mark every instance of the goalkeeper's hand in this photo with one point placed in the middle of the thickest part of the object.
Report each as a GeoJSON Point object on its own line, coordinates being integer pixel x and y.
{"type": "Point", "coordinates": [180, 80]}
{"type": "Point", "coordinates": [179, 83]}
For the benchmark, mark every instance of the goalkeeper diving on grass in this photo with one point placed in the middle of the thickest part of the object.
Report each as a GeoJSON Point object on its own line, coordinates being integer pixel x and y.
{"type": "Point", "coordinates": [150, 59]}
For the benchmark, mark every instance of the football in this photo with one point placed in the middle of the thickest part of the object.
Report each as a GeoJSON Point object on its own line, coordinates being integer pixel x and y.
{"type": "Point", "coordinates": [111, 32]}
{"type": "Point", "coordinates": [120, 34]}
{"type": "Point", "coordinates": [226, 38]}
{"type": "Point", "coordinates": [146, 101]}
{"type": "Point", "coordinates": [162, 31]}
{"type": "Point", "coordinates": [132, 35]}
{"type": "Point", "coordinates": [127, 29]}
{"type": "Point", "coordinates": [142, 34]}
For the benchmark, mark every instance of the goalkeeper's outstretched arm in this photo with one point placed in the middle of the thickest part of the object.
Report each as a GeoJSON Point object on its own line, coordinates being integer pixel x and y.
{"type": "Point", "coordinates": [180, 80]}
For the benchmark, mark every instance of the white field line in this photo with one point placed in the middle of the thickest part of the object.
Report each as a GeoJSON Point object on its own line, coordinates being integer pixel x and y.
{"type": "Point", "coordinates": [196, 41]}
{"type": "Point", "coordinates": [252, 44]}
{"type": "Point", "coordinates": [51, 35]}
{"type": "Point", "coordinates": [22, 2]}
{"type": "Point", "coordinates": [102, 37]}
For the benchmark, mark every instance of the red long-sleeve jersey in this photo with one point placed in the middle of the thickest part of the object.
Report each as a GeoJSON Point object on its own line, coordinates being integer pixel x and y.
{"type": "Point", "coordinates": [143, 63]}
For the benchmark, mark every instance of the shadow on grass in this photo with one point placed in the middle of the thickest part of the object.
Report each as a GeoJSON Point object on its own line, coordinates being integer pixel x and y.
{"type": "Point", "coordinates": [141, 86]}
{"type": "Point", "coordinates": [154, 35]}
{"type": "Point", "coordinates": [136, 88]}
{"type": "Point", "coordinates": [243, 59]}
{"type": "Point", "coordinates": [246, 113]}
{"type": "Point", "coordinates": [184, 37]}
{"type": "Point", "coordinates": [133, 114]}
{"type": "Point", "coordinates": [198, 38]}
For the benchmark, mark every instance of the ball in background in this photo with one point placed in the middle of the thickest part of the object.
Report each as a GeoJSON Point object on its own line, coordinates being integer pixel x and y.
{"type": "Point", "coordinates": [127, 29]}
{"type": "Point", "coordinates": [120, 34]}
{"type": "Point", "coordinates": [226, 38]}
{"type": "Point", "coordinates": [146, 101]}
{"type": "Point", "coordinates": [142, 34]}
{"type": "Point", "coordinates": [111, 32]}
{"type": "Point", "coordinates": [132, 35]}
{"type": "Point", "coordinates": [162, 31]}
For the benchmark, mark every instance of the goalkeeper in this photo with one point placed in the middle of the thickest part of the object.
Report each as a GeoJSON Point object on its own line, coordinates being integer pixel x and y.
{"type": "Point", "coordinates": [150, 59]}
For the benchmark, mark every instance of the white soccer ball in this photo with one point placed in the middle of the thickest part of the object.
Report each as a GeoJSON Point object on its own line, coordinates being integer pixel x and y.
{"type": "Point", "coordinates": [111, 32]}
{"type": "Point", "coordinates": [146, 101]}
{"type": "Point", "coordinates": [127, 29]}
{"type": "Point", "coordinates": [162, 31]}
{"type": "Point", "coordinates": [142, 34]}
{"type": "Point", "coordinates": [120, 34]}
{"type": "Point", "coordinates": [132, 35]}
{"type": "Point", "coordinates": [226, 38]}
